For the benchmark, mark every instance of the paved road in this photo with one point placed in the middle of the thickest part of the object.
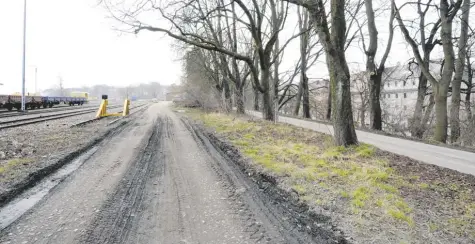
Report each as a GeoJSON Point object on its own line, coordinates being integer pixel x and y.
{"type": "Point", "coordinates": [445, 157]}
{"type": "Point", "coordinates": [157, 181]}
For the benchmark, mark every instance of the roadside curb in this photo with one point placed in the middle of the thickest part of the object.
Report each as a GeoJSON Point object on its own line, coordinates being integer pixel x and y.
{"type": "Point", "coordinates": [33, 178]}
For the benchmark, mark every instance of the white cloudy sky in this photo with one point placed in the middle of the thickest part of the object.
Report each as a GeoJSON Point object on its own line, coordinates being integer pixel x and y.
{"type": "Point", "coordinates": [74, 39]}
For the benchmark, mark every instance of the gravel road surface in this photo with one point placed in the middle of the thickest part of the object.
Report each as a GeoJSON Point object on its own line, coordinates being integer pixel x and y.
{"type": "Point", "coordinates": [154, 182]}
{"type": "Point", "coordinates": [461, 161]}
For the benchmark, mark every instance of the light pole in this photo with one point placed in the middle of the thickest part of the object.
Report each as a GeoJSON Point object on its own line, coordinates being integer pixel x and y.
{"type": "Point", "coordinates": [24, 59]}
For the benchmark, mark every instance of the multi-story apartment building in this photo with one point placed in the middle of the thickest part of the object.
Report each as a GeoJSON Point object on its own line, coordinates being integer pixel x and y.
{"type": "Point", "coordinates": [398, 95]}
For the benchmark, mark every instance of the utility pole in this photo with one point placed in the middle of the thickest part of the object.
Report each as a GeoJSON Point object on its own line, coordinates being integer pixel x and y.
{"type": "Point", "coordinates": [24, 59]}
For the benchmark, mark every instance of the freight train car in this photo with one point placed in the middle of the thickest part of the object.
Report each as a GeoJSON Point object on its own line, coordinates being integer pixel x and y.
{"type": "Point", "coordinates": [33, 102]}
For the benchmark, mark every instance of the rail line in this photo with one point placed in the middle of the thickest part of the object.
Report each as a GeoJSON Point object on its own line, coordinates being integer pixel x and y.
{"type": "Point", "coordinates": [7, 114]}
{"type": "Point", "coordinates": [39, 119]}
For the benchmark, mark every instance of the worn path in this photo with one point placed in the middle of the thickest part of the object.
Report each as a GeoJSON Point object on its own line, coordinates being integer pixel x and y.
{"type": "Point", "coordinates": [158, 181]}
{"type": "Point", "coordinates": [445, 157]}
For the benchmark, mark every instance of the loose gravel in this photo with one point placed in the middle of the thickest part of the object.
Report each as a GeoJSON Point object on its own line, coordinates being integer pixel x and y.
{"type": "Point", "coordinates": [27, 149]}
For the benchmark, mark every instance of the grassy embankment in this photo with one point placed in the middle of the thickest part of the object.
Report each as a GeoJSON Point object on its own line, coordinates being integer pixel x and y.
{"type": "Point", "coordinates": [370, 188]}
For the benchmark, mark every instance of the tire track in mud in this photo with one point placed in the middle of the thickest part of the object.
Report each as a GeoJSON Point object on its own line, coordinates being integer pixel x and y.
{"type": "Point", "coordinates": [118, 216]}
{"type": "Point", "coordinates": [261, 224]}
{"type": "Point", "coordinates": [169, 138]}
{"type": "Point", "coordinates": [279, 220]}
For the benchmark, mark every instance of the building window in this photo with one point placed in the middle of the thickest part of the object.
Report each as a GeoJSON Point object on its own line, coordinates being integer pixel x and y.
{"type": "Point", "coordinates": [397, 95]}
{"type": "Point", "coordinates": [395, 83]}
{"type": "Point", "coordinates": [389, 95]}
{"type": "Point", "coordinates": [405, 95]}
{"type": "Point", "coordinates": [413, 82]}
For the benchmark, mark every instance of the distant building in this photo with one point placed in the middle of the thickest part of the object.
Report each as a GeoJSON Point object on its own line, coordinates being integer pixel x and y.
{"type": "Point", "coordinates": [398, 94]}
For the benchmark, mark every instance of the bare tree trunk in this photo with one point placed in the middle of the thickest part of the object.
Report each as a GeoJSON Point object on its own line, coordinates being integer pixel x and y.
{"type": "Point", "coordinates": [343, 126]}
{"type": "Point", "coordinates": [306, 97]}
{"type": "Point", "coordinates": [427, 115]}
{"type": "Point", "coordinates": [459, 68]}
{"type": "Point", "coordinates": [376, 122]}
{"type": "Point", "coordinates": [375, 72]}
{"type": "Point", "coordinates": [341, 101]}
{"type": "Point", "coordinates": [329, 104]}
{"type": "Point", "coordinates": [255, 88]}
{"type": "Point", "coordinates": [298, 99]}
{"type": "Point", "coordinates": [417, 127]}
{"type": "Point", "coordinates": [256, 99]}
{"type": "Point", "coordinates": [275, 82]}
{"type": "Point", "coordinates": [267, 97]}
{"type": "Point", "coordinates": [468, 104]}
{"type": "Point", "coordinates": [227, 96]}
{"type": "Point", "coordinates": [371, 69]}
{"type": "Point", "coordinates": [362, 116]}
{"type": "Point", "coordinates": [303, 25]}
{"type": "Point", "coordinates": [240, 100]}
{"type": "Point", "coordinates": [443, 85]}
{"type": "Point", "coordinates": [440, 133]}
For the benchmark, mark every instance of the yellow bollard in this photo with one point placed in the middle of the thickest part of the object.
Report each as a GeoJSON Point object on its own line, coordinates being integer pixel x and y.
{"type": "Point", "coordinates": [125, 111]}
{"type": "Point", "coordinates": [102, 112]}
{"type": "Point", "coordinates": [102, 109]}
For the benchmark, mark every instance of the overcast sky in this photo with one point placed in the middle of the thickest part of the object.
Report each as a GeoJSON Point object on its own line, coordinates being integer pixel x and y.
{"type": "Point", "coordinates": [74, 39]}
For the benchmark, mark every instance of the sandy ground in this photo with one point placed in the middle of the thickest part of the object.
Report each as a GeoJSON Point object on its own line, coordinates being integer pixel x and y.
{"type": "Point", "coordinates": [155, 182]}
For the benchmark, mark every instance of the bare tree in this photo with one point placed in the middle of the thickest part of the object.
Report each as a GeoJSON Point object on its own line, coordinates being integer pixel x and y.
{"type": "Point", "coordinates": [459, 70]}
{"type": "Point", "coordinates": [361, 89]}
{"type": "Point", "coordinates": [375, 71]}
{"type": "Point", "coordinates": [334, 45]}
{"type": "Point", "coordinates": [447, 13]}
{"type": "Point", "coordinates": [427, 41]}
{"type": "Point", "coordinates": [190, 23]}
{"type": "Point", "coordinates": [469, 82]}
{"type": "Point", "coordinates": [310, 52]}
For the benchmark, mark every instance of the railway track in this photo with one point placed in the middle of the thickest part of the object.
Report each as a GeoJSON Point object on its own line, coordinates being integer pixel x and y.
{"type": "Point", "coordinates": [7, 114]}
{"type": "Point", "coordinates": [39, 119]}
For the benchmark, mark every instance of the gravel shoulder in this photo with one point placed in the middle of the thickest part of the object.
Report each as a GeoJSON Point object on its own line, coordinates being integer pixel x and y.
{"type": "Point", "coordinates": [67, 211]}
{"type": "Point", "coordinates": [29, 152]}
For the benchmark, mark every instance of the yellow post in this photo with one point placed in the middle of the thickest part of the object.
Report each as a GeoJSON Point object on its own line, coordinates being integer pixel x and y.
{"type": "Point", "coordinates": [102, 109]}
{"type": "Point", "coordinates": [125, 111]}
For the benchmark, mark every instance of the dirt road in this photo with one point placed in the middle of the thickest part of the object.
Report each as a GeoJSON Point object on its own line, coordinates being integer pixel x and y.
{"type": "Point", "coordinates": [157, 181]}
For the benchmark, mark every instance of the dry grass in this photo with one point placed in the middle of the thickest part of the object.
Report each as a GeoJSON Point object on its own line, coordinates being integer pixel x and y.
{"type": "Point", "coordinates": [358, 182]}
